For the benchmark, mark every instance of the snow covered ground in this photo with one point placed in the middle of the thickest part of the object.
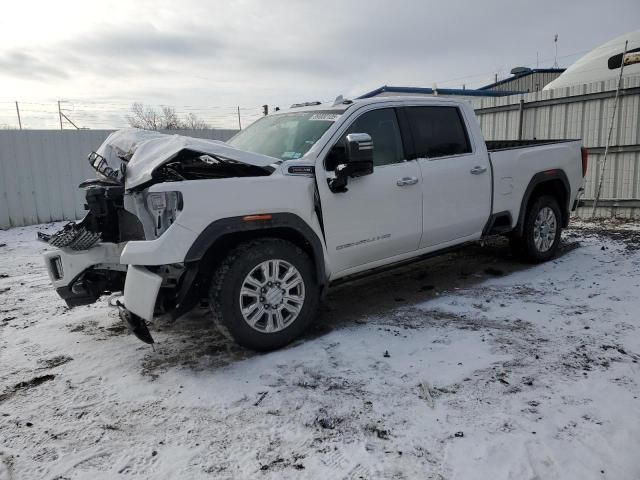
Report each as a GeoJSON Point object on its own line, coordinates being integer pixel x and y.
{"type": "Point", "coordinates": [467, 366]}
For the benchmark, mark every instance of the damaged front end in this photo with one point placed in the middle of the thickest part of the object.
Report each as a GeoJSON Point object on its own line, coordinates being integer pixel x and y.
{"type": "Point", "coordinates": [87, 262]}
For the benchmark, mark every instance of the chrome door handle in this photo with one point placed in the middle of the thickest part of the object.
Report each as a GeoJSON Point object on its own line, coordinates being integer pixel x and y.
{"type": "Point", "coordinates": [477, 170]}
{"type": "Point", "coordinates": [404, 181]}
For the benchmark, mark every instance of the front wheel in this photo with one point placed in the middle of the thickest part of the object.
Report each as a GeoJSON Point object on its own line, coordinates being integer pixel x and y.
{"type": "Point", "coordinates": [265, 293]}
{"type": "Point", "coordinates": [542, 228]}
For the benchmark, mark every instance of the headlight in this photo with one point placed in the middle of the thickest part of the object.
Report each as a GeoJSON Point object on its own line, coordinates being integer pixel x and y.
{"type": "Point", "coordinates": [164, 208]}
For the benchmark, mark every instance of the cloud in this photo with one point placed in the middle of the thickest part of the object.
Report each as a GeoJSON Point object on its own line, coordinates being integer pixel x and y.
{"type": "Point", "coordinates": [132, 49]}
{"type": "Point", "coordinates": [25, 66]}
{"type": "Point", "coordinates": [250, 52]}
{"type": "Point", "coordinates": [144, 41]}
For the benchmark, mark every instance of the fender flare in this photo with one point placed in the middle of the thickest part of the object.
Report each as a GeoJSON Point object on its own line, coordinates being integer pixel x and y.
{"type": "Point", "coordinates": [225, 226]}
{"type": "Point", "coordinates": [539, 179]}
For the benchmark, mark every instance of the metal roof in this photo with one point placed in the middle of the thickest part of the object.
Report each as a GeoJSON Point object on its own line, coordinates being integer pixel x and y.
{"type": "Point", "coordinates": [431, 91]}
{"type": "Point", "coordinates": [520, 75]}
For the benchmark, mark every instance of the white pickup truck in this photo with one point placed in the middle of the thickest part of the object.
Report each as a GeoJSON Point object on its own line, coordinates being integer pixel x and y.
{"type": "Point", "coordinates": [259, 227]}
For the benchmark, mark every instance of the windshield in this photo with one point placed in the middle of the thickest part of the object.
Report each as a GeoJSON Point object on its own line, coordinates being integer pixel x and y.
{"type": "Point", "coordinates": [285, 136]}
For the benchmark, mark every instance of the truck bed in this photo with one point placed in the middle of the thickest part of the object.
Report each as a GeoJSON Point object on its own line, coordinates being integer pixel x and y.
{"type": "Point", "coordinates": [496, 145]}
{"type": "Point", "coordinates": [516, 162]}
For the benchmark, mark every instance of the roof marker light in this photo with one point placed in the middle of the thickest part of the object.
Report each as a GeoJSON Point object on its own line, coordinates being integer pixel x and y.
{"type": "Point", "coordinates": [257, 218]}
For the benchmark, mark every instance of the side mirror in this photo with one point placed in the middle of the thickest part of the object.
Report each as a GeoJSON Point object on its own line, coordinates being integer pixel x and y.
{"type": "Point", "coordinates": [356, 162]}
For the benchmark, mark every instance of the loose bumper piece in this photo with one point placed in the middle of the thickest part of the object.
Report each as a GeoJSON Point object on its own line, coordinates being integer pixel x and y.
{"type": "Point", "coordinates": [141, 291]}
{"type": "Point", "coordinates": [136, 325]}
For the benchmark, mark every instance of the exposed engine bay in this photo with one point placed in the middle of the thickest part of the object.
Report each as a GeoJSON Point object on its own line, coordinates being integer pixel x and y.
{"type": "Point", "coordinates": [139, 158]}
{"type": "Point", "coordinates": [192, 165]}
{"type": "Point", "coordinates": [107, 220]}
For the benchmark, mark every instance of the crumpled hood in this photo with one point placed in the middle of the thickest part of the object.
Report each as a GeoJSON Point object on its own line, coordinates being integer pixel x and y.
{"type": "Point", "coordinates": [146, 150]}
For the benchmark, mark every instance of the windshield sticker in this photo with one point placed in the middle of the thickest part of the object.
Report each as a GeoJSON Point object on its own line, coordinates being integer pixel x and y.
{"type": "Point", "coordinates": [325, 117]}
{"type": "Point", "coordinates": [290, 155]}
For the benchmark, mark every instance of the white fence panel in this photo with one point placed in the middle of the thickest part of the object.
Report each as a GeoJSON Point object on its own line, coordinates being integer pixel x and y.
{"type": "Point", "coordinates": [585, 112]}
{"type": "Point", "coordinates": [40, 171]}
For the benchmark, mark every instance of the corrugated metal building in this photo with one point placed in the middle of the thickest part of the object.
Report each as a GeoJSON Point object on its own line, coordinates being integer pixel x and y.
{"type": "Point", "coordinates": [525, 80]}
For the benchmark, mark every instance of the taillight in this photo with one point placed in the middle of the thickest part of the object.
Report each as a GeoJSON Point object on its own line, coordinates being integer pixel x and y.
{"type": "Point", "coordinates": [585, 160]}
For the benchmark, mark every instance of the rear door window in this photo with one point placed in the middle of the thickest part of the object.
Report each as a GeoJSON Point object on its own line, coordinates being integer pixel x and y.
{"type": "Point", "coordinates": [438, 131]}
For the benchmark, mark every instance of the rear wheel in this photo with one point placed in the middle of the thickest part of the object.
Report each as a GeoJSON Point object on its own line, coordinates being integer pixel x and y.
{"type": "Point", "coordinates": [265, 294]}
{"type": "Point", "coordinates": [541, 233]}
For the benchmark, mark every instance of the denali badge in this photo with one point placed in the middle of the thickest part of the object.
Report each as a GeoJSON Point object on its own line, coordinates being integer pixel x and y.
{"type": "Point", "coordinates": [366, 240]}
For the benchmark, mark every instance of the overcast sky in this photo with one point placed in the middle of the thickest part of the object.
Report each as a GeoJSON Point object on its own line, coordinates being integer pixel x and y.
{"type": "Point", "coordinates": [209, 57]}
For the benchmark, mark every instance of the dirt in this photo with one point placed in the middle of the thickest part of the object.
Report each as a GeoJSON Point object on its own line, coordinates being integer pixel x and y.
{"type": "Point", "coordinates": [49, 363]}
{"type": "Point", "coordinates": [617, 230]}
{"type": "Point", "coordinates": [34, 382]}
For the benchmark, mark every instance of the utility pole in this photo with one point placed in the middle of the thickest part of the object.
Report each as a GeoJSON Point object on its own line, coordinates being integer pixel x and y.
{"type": "Point", "coordinates": [555, 41]}
{"type": "Point", "coordinates": [18, 112]}
{"type": "Point", "coordinates": [239, 123]}
{"type": "Point", "coordinates": [60, 114]}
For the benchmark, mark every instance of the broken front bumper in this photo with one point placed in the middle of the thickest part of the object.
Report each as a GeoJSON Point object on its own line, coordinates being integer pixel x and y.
{"type": "Point", "coordinates": [81, 277]}
{"type": "Point", "coordinates": [72, 274]}
{"type": "Point", "coordinates": [68, 269]}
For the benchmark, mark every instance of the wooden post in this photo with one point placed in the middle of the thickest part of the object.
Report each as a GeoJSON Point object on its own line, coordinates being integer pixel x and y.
{"type": "Point", "coordinates": [520, 118]}
{"type": "Point", "coordinates": [18, 112]}
{"type": "Point", "coordinates": [239, 122]}
{"type": "Point", "coordinates": [60, 114]}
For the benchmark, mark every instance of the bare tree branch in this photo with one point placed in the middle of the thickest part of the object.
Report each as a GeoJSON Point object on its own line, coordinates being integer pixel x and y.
{"type": "Point", "coordinates": [192, 122]}
{"type": "Point", "coordinates": [169, 118]}
{"type": "Point", "coordinates": [144, 117]}
{"type": "Point", "coordinates": [148, 118]}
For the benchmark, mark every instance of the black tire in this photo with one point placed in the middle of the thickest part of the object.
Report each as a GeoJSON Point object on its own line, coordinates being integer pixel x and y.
{"type": "Point", "coordinates": [527, 245]}
{"type": "Point", "coordinates": [227, 281]}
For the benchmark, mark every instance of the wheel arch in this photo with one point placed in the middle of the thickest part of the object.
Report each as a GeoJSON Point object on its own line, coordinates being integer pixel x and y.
{"type": "Point", "coordinates": [222, 235]}
{"type": "Point", "coordinates": [549, 182]}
